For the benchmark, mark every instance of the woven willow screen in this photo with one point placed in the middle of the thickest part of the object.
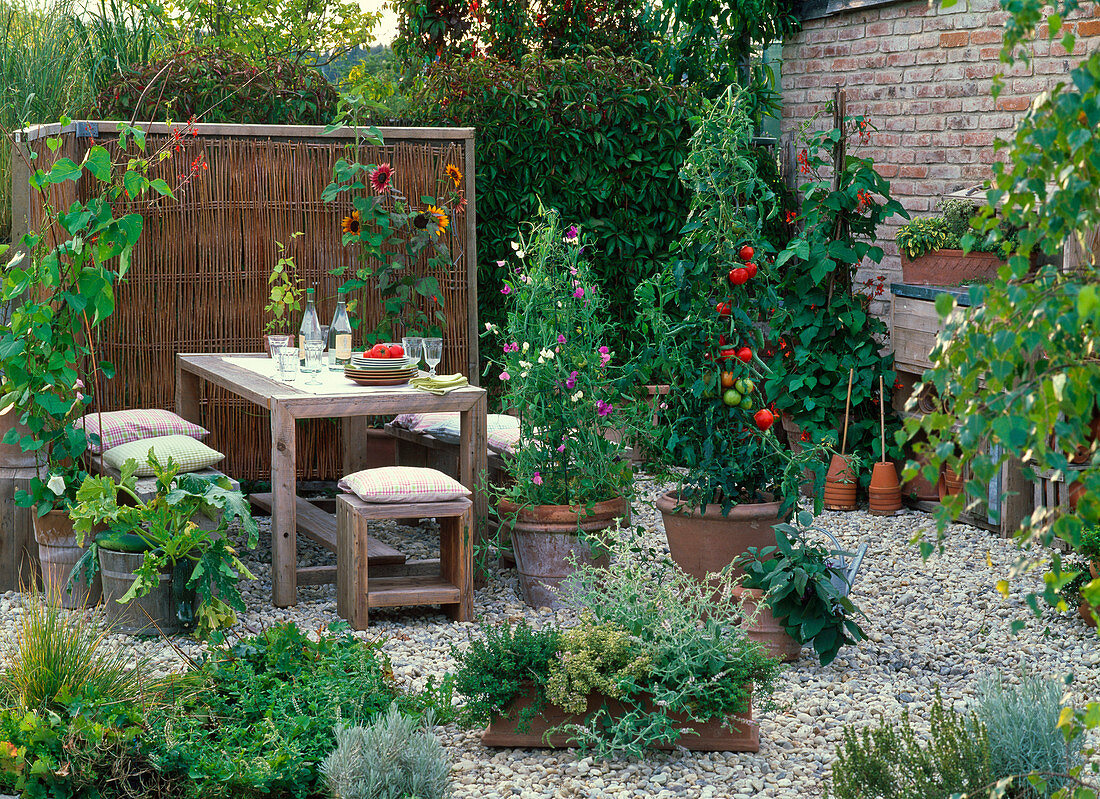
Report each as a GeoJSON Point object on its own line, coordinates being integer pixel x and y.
{"type": "Point", "coordinates": [199, 278]}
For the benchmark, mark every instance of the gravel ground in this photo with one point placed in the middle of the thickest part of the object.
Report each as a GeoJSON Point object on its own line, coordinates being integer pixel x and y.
{"type": "Point", "coordinates": [935, 623]}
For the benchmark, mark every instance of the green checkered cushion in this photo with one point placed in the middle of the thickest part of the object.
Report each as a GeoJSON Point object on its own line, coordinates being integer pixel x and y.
{"type": "Point", "coordinates": [388, 484]}
{"type": "Point", "coordinates": [189, 454]}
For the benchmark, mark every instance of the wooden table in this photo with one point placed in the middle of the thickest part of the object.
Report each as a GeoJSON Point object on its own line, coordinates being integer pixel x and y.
{"type": "Point", "coordinates": [352, 405]}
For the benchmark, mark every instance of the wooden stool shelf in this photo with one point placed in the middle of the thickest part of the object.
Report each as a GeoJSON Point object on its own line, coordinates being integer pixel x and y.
{"type": "Point", "coordinates": [357, 591]}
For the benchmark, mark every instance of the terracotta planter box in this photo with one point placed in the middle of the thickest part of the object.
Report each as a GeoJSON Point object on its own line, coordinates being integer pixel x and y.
{"type": "Point", "coordinates": [949, 267]}
{"type": "Point", "coordinates": [710, 736]}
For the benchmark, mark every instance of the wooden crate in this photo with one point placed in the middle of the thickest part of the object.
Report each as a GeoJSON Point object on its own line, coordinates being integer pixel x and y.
{"type": "Point", "coordinates": [915, 325]}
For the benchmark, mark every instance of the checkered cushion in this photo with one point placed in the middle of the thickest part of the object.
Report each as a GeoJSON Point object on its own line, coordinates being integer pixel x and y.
{"type": "Point", "coordinates": [446, 427]}
{"type": "Point", "coordinates": [189, 454]}
{"type": "Point", "coordinates": [122, 427]}
{"type": "Point", "coordinates": [504, 440]}
{"type": "Point", "coordinates": [389, 484]}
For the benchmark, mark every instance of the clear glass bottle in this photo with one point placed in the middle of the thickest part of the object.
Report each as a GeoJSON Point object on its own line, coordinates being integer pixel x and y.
{"type": "Point", "coordinates": [339, 335]}
{"type": "Point", "coordinates": [311, 327]}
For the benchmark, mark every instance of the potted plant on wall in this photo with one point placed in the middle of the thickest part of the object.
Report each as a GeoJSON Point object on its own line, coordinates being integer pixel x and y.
{"type": "Point", "coordinates": [60, 285]}
{"type": "Point", "coordinates": [709, 311]}
{"type": "Point", "coordinates": [159, 567]}
{"type": "Point", "coordinates": [284, 300]}
{"type": "Point", "coordinates": [570, 478]}
{"type": "Point", "coordinates": [931, 247]}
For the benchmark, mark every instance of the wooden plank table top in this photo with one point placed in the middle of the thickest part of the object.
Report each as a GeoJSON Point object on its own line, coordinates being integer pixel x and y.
{"type": "Point", "coordinates": [287, 404]}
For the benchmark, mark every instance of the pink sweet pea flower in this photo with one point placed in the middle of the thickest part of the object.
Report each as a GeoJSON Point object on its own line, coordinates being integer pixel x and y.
{"type": "Point", "coordinates": [537, 479]}
{"type": "Point", "coordinates": [571, 381]}
{"type": "Point", "coordinates": [505, 376]}
{"type": "Point", "coordinates": [605, 355]}
{"type": "Point", "coordinates": [506, 290]}
{"type": "Point", "coordinates": [604, 408]}
{"type": "Point", "coordinates": [578, 292]}
{"type": "Point", "coordinates": [561, 447]}
{"type": "Point", "coordinates": [561, 338]}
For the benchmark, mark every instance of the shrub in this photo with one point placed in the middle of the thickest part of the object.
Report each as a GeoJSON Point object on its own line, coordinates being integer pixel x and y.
{"type": "Point", "coordinates": [259, 717]}
{"type": "Point", "coordinates": [393, 758]}
{"type": "Point", "coordinates": [220, 86]}
{"type": "Point", "coordinates": [894, 761]}
{"type": "Point", "coordinates": [600, 139]}
{"type": "Point", "coordinates": [1022, 726]}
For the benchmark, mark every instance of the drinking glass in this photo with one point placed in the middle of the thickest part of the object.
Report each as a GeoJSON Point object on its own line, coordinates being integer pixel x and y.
{"type": "Point", "coordinates": [414, 349]}
{"type": "Point", "coordinates": [288, 364]}
{"type": "Point", "coordinates": [274, 343]}
{"type": "Point", "coordinates": [314, 361]}
{"type": "Point", "coordinates": [433, 353]}
{"type": "Point", "coordinates": [324, 337]}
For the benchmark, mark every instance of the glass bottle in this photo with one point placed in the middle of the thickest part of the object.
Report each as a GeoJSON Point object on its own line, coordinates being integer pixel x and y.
{"type": "Point", "coordinates": [339, 335]}
{"type": "Point", "coordinates": [311, 328]}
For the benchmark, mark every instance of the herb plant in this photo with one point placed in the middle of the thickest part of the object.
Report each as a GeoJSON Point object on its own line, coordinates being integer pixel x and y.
{"type": "Point", "coordinates": [947, 231]}
{"type": "Point", "coordinates": [594, 656]}
{"type": "Point", "coordinates": [164, 523]}
{"type": "Point", "coordinates": [557, 368]}
{"type": "Point", "coordinates": [286, 292]}
{"type": "Point", "coordinates": [798, 584]}
{"type": "Point", "coordinates": [825, 326]}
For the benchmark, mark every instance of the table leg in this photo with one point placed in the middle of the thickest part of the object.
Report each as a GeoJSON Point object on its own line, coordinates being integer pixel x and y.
{"type": "Point", "coordinates": [284, 512]}
{"type": "Point", "coordinates": [187, 394]}
{"type": "Point", "coordinates": [473, 464]}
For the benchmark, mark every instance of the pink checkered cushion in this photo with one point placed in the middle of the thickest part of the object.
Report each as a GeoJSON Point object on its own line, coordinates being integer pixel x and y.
{"type": "Point", "coordinates": [503, 440]}
{"type": "Point", "coordinates": [122, 427]}
{"type": "Point", "coordinates": [403, 484]}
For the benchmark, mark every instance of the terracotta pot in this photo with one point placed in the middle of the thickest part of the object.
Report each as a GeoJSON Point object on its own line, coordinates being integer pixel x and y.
{"type": "Point", "coordinates": [1074, 492]}
{"type": "Point", "coordinates": [884, 492]}
{"type": "Point", "coordinates": [764, 628]}
{"type": "Point", "coordinates": [58, 553]}
{"type": "Point", "coordinates": [704, 541]}
{"type": "Point", "coordinates": [949, 267]}
{"type": "Point", "coordinates": [698, 736]}
{"type": "Point", "coordinates": [840, 485]}
{"type": "Point", "coordinates": [950, 483]}
{"type": "Point", "coordinates": [545, 542]}
{"type": "Point", "coordinates": [1084, 610]}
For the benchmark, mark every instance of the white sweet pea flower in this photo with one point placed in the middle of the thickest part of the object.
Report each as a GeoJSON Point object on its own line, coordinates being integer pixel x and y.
{"type": "Point", "coordinates": [56, 484]}
{"type": "Point", "coordinates": [578, 396]}
{"type": "Point", "coordinates": [525, 364]}
{"type": "Point", "coordinates": [547, 354]}
{"type": "Point", "coordinates": [515, 245]}
{"type": "Point", "coordinates": [526, 346]}
{"type": "Point", "coordinates": [541, 359]}
{"type": "Point", "coordinates": [521, 254]}
{"type": "Point", "coordinates": [523, 374]}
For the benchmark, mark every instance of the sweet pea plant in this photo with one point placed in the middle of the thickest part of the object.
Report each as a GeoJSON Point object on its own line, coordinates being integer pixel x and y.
{"type": "Point", "coordinates": [557, 366]}
{"type": "Point", "coordinates": [60, 285]}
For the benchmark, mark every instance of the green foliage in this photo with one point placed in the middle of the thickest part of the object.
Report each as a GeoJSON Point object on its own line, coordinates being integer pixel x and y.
{"type": "Point", "coordinates": [800, 592]}
{"type": "Point", "coordinates": [594, 656]}
{"type": "Point", "coordinates": [924, 235]}
{"type": "Point", "coordinates": [212, 85]}
{"type": "Point", "coordinates": [393, 758]}
{"type": "Point", "coordinates": [825, 327]}
{"type": "Point", "coordinates": [115, 37]}
{"type": "Point", "coordinates": [699, 661]}
{"type": "Point", "coordinates": [896, 761]}
{"type": "Point", "coordinates": [947, 231]}
{"type": "Point", "coordinates": [60, 286]}
{"type": "Point", "coordinates": [390, 234]}
{"type": "Point", "coordinates": [556, 365]}
{"type": "Point", "coordinates": [173, 540]}
{"type": "Point", "coordinates": [697, 321]}
{"type": "Point", "coordinates": [286, 291]}
{"type": "Point", "coordinates": [298, 31]}
{"type": "Point", "coordinates": [496, 667]}
{"type": "Point", "coordinates": [600, 139]}
{"type": "Point", "coordinates": [258, 718]}
{"type": "Point", "coordinates": [1021, 723]}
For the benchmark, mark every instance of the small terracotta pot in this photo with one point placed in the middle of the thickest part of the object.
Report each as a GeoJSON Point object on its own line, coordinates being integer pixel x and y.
{"type": "Point", "coordinates": [840, 485]}
{"type": "Point", "coordinates": [950, 483]}
{"type": "Point", "coordinates": [1084, 610]}
{"type": "Point", "coordinates": [884, 491]}
{"type": "Point", "coordinates": [764, 628]}
{"type": "Point", "coordinates": [1074, 492]}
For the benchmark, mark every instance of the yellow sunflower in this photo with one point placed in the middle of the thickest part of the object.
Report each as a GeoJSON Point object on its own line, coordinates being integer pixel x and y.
{"type": "Point", "coordinates": [441, 218]}
{"type": "Point", "coordinates": [351, 223]}
{"type": "Point", "coordinates": [455, 174]}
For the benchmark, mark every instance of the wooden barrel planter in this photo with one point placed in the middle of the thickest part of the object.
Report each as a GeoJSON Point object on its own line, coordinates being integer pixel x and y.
{"type": "Point", "coordinates": [58, 553]}
{"type": "Point", "coordinates": [156, 611]}
{"type": "Point", "coordinates": [19, 566]}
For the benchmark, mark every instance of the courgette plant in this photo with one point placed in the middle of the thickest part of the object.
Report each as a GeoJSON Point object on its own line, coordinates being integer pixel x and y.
{"type": "Point", "coordinates": [164, 530]}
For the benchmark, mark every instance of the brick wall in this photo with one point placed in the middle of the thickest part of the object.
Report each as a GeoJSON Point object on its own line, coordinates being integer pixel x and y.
{"type": "Point", "coordinates": [924, 77]}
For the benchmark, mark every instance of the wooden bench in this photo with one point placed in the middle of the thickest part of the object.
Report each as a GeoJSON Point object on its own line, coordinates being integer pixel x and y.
{"type": "Point", "coordinates": [357, 591]}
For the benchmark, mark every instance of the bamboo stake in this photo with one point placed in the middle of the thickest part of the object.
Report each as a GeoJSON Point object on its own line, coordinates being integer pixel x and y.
{"type": "Point", "coordinates": [847, 412]}
{"type": "Point", "coordinates": [882, 415]}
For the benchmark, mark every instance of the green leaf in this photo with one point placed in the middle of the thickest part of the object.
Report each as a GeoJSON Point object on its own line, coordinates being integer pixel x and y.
{"type": "Point", "coordinates": [98, 161]}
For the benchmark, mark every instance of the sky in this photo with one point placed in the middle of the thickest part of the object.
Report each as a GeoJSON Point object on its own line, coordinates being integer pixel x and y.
{"type": "Point", "coordinates": [387, 28]}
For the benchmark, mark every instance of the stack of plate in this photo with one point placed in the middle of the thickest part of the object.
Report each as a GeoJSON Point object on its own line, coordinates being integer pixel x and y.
{"type": "Point", "coordinates": [380, 371]}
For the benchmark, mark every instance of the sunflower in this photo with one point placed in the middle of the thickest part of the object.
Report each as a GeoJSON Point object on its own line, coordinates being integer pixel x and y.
{"type": "Point", "coordinates": [455, 174]}
{"type": "Point", "coordinates": [380, 177]}
{"type": "Point", "coordinates": [351, 223]}
{"type": "Point", "coordinates": [441, 219]}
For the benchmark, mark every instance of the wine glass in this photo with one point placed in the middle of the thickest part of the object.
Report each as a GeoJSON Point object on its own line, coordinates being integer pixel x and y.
{"type": "Point", "coordinates": [433, 353]}
{"type": "Point", "coordinates": [313, 357]}
{"type": "Point", "coordinates": [414, 349]}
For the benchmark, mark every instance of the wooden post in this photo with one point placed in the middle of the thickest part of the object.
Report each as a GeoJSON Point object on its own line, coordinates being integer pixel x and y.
{"type": "Point", "coordinates": [284, 511]}
{"type": "Point", "coordinates": [473, 462]}
{"type": "Point", "coordinates": [352, 573]}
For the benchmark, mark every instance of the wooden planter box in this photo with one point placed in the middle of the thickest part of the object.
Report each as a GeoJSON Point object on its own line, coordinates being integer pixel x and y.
{"type": "Point", "coordinates": [949, 267]}
{"type": "Point", "coordinates": [915, 324]}
{"type": "Point", "coordinates": [709, 736]}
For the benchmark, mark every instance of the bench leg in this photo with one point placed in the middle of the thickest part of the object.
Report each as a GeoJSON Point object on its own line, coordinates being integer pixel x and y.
{"type": "Point", "coordinates": [456, 562]}
{"type": "Point", "coordinates": [351, 567]}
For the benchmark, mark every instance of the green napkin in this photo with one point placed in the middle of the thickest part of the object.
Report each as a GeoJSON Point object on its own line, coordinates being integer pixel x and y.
{"type": "Point", "coordinates": [440, 384]}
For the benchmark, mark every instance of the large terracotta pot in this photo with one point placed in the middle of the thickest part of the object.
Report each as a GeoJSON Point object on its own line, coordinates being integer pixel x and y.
{"type": "Point", "coordinates": [704, 541]}
{"type": "Point", "coordinates": [546, 542]}
{"type": "Point", "coordinates": [761, 626]}
{"type": "Point", "coordinates": [949, 267]}
{"type": "Point", "coordinates": [58, 553]}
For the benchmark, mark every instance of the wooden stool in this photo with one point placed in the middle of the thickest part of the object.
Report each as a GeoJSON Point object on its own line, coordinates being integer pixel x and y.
{"type": "Point", "coordinates": [452, 587]}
